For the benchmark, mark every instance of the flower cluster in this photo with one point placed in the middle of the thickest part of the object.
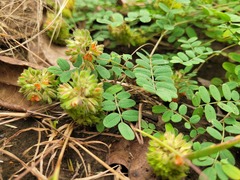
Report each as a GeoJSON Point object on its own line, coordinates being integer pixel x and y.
{"type": "Point", "coordinates": [38, 85]}
{"type": "Point", "coordinates": [81, 98]}
{"type": "Point", "coordinates": [165, 163]}
{"type": "Point", "coordinates": [83, 45]}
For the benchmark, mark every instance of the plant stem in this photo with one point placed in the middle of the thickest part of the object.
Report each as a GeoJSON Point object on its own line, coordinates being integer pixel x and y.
{"type": "Point", "coordinates": [67, 134]}
{"type": "Point", "coordinates": [213, 149]}
{"type": "Point", "coordinates": [158, 42]}
{"type": "Point", "coordinates": [160, 142]}
{"type": "Point", "coordinates": [201, 65]}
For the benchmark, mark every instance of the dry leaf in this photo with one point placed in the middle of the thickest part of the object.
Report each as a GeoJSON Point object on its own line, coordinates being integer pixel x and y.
{"type": "Point", "coordinates": [10, 98]}
{"type": "Point", "coordinates": [46, 51]}
{"type": "Point", "coordinates": [132, 156]}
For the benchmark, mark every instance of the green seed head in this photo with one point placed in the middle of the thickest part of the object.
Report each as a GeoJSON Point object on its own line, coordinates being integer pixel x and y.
{"type": "Point", "coordinates": [81, 98]}
{"type": "Point", "coordinates": [83, 45]}
{"type": "Point", "coordinates": [38, 85]}
{"type": "Point", "coordinates": [165, 163]}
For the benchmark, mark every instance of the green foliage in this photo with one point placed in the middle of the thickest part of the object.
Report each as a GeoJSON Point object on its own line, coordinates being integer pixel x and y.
{"type": "Point", "coordinates": [38, 85]}
{"type": "Point", "coordinates": [154, 75]}
{"type": "Point", "coordinates": [150, 128]}
{"type": "Point", "coordinates": [231, 171]}
{"type": "Point", "coordinates": [195, 52]}
{"type": "Point", "coordinates": [116, 99]}
{"type": "Point", "coordinates": [63, 71]}
{"type": "Point", "coordinates": [184, 35]}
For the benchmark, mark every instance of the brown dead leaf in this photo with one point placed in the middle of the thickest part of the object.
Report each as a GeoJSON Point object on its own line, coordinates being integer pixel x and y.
{"type": "Point", "coordinates": [41, 49]}
{"type": "Point", "coordinates": [10, 98]}
{"type": "Point", "coordinates": [132, 156]}
{"type": "Point", "coordinates": [11, 68]}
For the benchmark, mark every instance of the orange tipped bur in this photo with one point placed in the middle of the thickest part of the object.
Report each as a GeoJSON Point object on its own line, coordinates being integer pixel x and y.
{"type": "Point", "coordinates": [35, 98]}
{"type": "Point", "coordinates": [179, 160]}
{"type": "Point", "coordinates": [38, 86]}
{"type": "Point", "coordinates": [93, 47]}
{"type": "Point", "coordinates": [88, 57]}
{"type": "Point", "coordinates": [98, 89]}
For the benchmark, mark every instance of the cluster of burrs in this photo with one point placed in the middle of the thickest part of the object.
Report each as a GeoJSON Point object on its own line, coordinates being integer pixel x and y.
{"type": "Point", "coordinates": [82, 45]}
{"type": "Point", "coordinates": [38, 85]}
{"type": "Point", "coordinates": [166, 163]}
{"type": "Point", "coordinates": [81, 98]}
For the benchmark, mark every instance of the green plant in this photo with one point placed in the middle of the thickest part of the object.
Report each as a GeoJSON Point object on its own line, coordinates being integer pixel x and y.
{"type": "Point", "coordinates": [38, 85]}
{"type": "Point", "coordinates": [154, 74]}
{"type": "Point", "coordinates": [166, 163]}
{"type": "Point", "coordinates": [81, 97]}
{"type": "Point", "coordinates": [184, 34]}
{"type": "Point", "coordinates": [116, 99]}
{"type": "Point", "coordinates": [170, 155]}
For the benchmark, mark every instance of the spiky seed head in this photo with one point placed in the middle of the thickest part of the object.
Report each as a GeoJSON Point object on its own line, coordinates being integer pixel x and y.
{"type": "Point", "coordinates": [83, 45]}
{"type": "Point", "coordinates": [165, 163]}
{"type": "Point", "coordinates": [81, 98]}
{"type": "Point", "coordinates": [38, 85]}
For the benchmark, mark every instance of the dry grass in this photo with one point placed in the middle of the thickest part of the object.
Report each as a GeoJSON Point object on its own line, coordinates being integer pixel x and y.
{"type": "Point", "coordinates": [19, 21]}
{"type": "Point", "coordinates": [49, 153]}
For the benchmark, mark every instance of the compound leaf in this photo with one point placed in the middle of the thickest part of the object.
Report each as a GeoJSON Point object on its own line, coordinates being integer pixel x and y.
{"type": "Point", "coordinates": [109, 105]}
{"type": "Point", "coordinates": [126, 131]}
{"type": "Point", "coordinates": [111, 120]}
{"type": "Point", "coordinates": [224, 107]}
{"type": "Point", "coordinates": [130, 115]}
{"type": "Point", "coordinates": [235, 95]}
{"type": "Point", "coordinates": [123, 95]}
{"type": "Point", "coordinates": [126, 103]}
{"type": "Point", "coordinates": [63, 64]}
{"type": "Point", "coordinates": [209, 172]}
{"type": "Point", "coordinates": [159, 109]}
{"type": "Point", "coordinates": [220, 172]}
{"type": "Point", "coordinates": [176, 118]}
{"type": "Point", "coordinates": [65, 76]}
{"type": "Point", "coordinates": [210, 113]}
{"type": "Point", "coordinates": [195, 119]}
{"type": "Point", "coordinates": [234, 108]}
{"type": "Point", "coordinates": [226, 154]}
{"type": "Point", "coordinates": [226, 92]}
{"type": "Point", "coordinates": [231, 171]}
{"type": "Point", "coordinates": [214, 133]}
{"type": "Point", "coordinates": [234, 56]}
{"type": "Point", "coordinates": [204, 94]}
{"type": "Point", "coordinates": [215, 92]}
{"type": "Point", "coordinates": [114, 89]}
{"type": "Point", "coordinates": [182, 109]}
{"type": "Point", "coordinates": [55, 70]}
{"type": "Point", "coordinates": [167, 115]}
{"type": "Point", "coordinates": [196, 99]}
{"type": "Point", "coordinates": [104, 73]}
{"type": "Point", "coordinates": [235, 129]}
